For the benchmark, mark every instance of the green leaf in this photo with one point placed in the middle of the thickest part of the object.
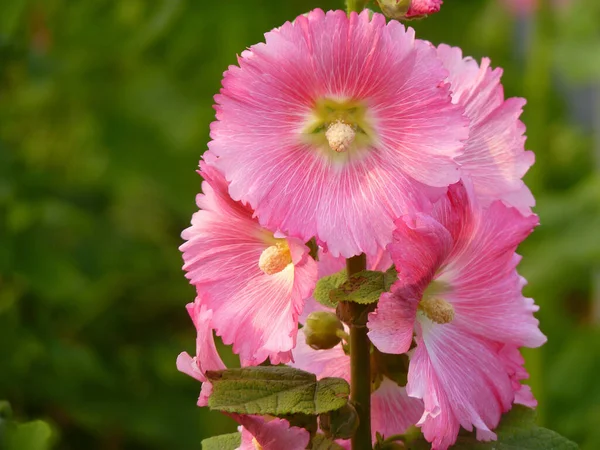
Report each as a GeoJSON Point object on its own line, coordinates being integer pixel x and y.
{"type": "Point", "coordinates": [28, 436]}
{"type": "Point", "coordinates": [327, 285]}
{"type": "Point", "coordinates": [277, 391]}
{"type": "Point", "coordinates": [322, 442]}
{"type": "Point", "coordinates": [364, 288]}
{"type": "Point", "coordinates": [229, 441]}
{"type": "Point", "coordinates": [517, 431]}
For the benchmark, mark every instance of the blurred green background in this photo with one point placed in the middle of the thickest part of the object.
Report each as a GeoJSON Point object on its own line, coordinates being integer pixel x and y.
{"type": "Point", "coordinates": [105, 108]}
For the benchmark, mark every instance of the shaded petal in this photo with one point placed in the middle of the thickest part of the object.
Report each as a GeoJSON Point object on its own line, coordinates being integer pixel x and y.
{"type": "Point", "coordinates": [275, 434]}
{"type": "Point", "coordinates": [392, 410]}
{"type": "Point", "coordinates": [323, 363]}
{"type": "Point", "coordinates": [207, 357]}
{"type": "Point", "coordinates": [421, 244]}
{"type": "Point", "coordinates": [494, 158]}
{"type": "Point", "coordinates": [462, 381]}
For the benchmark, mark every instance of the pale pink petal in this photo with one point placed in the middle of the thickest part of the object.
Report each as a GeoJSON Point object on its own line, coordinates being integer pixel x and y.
{"type": "Point", "coordinates": [485, 287]}
{"type": "Point", "coordinates": [275, 434]}
{"type": "Point", "coordinates": [392, 410]}
{"type": "Point", "coordinates": [295, 187]}
{"type": "Point", "coordinates": [421, 244]}
{"type": "Point", "coordinates": [256, 312]}
{"type": "Point", "coordinates": [494, 158]}
{"type": "Point", "coordinates": [207, 357]}
{"type": "Point", "coordinates": [462, 381]}
{"type": "Point", "coordinates": [323, 363]}
{"type": "Point", "coordinates": [515, 365]}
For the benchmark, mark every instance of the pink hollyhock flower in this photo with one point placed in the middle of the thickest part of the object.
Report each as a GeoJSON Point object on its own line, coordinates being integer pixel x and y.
{"type": "Point", "coordinates": [495, 158]}
{"type": "Point", "coordinates": [459, 291]}
{"type": "Point", "coordinates": [392, 410]}
{"type": "Point", "coordinates": [207, 357]}
{"type": "Point", "coordinates": [357, 125]}
{"type": "Point", "coordinates": [276, 434]}
{"type": "Point", "coordinates": [420, 8]}
{"type": "Point", "coordinates": [253, 281]}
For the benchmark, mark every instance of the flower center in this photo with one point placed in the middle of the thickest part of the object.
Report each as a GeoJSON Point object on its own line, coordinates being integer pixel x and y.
{"type": "Point", "coordinates": [257, 446]}
{"type": "Point", "coordinates": [339, 127]}
{"type": "Point", "coordinates": [437, 309]}
{"type": "Point", "coordinates": [275, 258]}
{"type": "Point", "coordinates": [340, 136]}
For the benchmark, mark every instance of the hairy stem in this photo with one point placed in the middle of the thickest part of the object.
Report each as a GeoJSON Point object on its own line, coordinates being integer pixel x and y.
{"type": "Point", "coordinates": [360, 361]}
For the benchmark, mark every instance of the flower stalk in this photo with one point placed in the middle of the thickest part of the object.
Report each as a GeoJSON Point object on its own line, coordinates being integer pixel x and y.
{"type": "Point", "coordinates": [360, 360]}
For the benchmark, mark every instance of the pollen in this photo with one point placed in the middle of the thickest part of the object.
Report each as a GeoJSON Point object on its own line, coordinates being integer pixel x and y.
{"type": "Point", "coordinates": [437, 309]}
{"type": "Point", "coordinates": [340, 136]}
{"type": "Point", "coordinates": [275, 258]}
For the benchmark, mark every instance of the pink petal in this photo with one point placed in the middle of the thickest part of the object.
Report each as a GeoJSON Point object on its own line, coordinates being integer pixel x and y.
{"type": "Point", "coordinates": [392, 410]}
{"type": "Point", "coordinates": [494, 158]}
{"type": "Point", "coordinates": [207, 357]}
{"type": "Point", "coordinates": [275, 434]}
{"type": "Point", "coordinates": [462, 381]}
{"type": "Point", "coordinates": [420, 8]}
{"type": "Point", "coordinates": [323, 363]}
{"type": "Point", "coordinates": [256, 312]}
{"type": "Point", "coordinates": [421, 244]}
{"type": "Point", "coordinates": [267, 101]}
{"type": "Point", "coordinates": [485, 287]}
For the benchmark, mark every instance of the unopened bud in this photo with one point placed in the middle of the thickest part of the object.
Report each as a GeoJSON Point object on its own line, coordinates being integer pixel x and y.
{"type": "Point", "coordinates": [409, 9]}
{"type": "Point", "coordinates": [341, 423]}
{"type": "Point", "coordinates": [322, 330]}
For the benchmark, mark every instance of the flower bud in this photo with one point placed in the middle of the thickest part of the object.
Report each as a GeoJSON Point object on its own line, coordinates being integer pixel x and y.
{"type": "Point", "coordinates": [409, 9]}
{"type": "Point", "coordinates": [341, 423]}
{"type": "Point", "coordinates": [322, 330]}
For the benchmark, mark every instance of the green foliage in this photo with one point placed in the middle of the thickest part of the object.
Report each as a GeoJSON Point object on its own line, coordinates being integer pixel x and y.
{"type": "Point", "coordinates": [326, 287]}
{"type": "Point", "coordinates": [322, 442]}
{"type": "Point", "coordinates": [229, 441]}
{"type": "Point", "coordinates": [276, 391]}
{"type": "Point", "coordinates": [34, 435]}
{"type": "Point", "coordinates": [364, 287]}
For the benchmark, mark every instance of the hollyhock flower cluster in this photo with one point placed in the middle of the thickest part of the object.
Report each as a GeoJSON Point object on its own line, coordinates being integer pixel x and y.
{"type": "Point", "coordinates": [459, 292]}
{"type": "Point", "coordinates": [348, 134]}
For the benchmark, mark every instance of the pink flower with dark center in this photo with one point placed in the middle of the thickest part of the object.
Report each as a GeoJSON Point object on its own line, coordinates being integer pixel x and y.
{"type": "Point", "coordinates": [253, 280]}
{"type": "Point", "coordinates": [494, 158]}
{"type": "Point", "coordinates": [207, 357]}
{"type": "Point", "coordinates": [334, 121]}
{"type": "Point", "coordinates": [458, 290]}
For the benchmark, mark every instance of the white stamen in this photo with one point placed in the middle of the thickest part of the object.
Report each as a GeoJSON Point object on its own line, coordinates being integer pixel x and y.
{"type": "Point", "coordinates": [275, 258]}
{"type": "Point", "coordinates": [340, 136]}
{"type": "Point", "coordinates": [437, 309]}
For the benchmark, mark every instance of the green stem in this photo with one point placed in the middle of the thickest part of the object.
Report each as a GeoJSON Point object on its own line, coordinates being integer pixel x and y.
{"type": "Point", "coordinates": [356, 5]}
{"type": "Point", "coordinates": [360, 361]}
